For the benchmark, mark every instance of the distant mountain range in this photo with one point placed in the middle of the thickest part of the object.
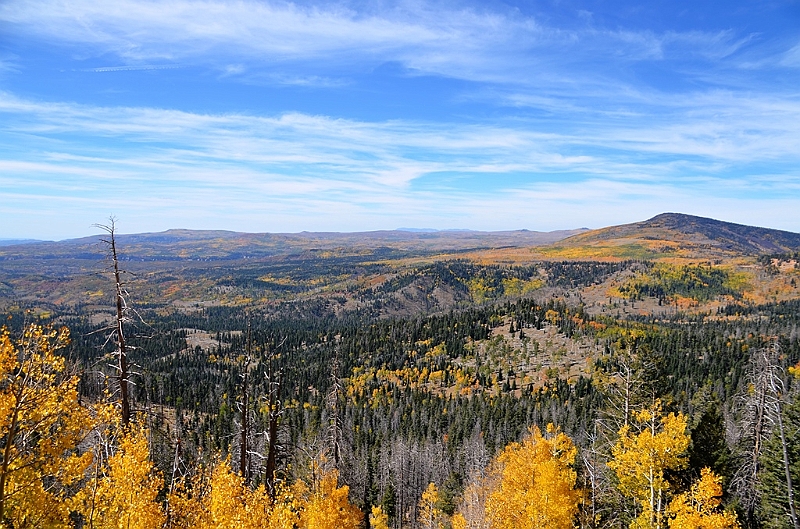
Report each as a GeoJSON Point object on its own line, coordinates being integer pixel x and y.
{"type": "Point", "coordinates": [668, 232]}
{"type": "Point", "coordinates": [12, 242]}
{"type": "Point", "coordinates": [179, 244]}
{"type": "Point", "coordinates": [188, 266]}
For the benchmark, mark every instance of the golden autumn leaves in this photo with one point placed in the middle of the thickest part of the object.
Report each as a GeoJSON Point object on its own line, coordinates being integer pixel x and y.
{"type": "Point", "coordinates": [63, 461]}
{"type": "Point", "coordinates": [41, 424]}
{"type": "Point", "coordinates": [647, 449]}
{"type": "Point", "coordinates": [220, 499]}
{"type": "Point", "coordinates": [532, 484]}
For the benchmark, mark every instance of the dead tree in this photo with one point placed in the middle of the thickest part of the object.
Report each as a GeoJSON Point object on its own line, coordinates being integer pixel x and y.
{"type": "Point", "coordinates": [244, 469]}
{"type": "Point", "coordinates": [335, 420]}
{"type": "Point", "coordinates": [762, 415]}
{"type": "Point", "coordinates": [274, 411]}
{"type": "Point", "coordinates": [120, 319]}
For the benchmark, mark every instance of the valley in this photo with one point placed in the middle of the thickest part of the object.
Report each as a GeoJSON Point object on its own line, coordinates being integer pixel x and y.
{"type": "Point", "coordinates": [404, 359]}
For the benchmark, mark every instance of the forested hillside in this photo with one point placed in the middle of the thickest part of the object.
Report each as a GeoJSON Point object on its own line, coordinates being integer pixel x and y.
{"type": "Point", "coordinates": [467, 391]}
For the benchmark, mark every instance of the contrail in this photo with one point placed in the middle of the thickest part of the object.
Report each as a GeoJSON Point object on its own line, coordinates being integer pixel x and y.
{"type": "Point", "coordinates": [128, 68]}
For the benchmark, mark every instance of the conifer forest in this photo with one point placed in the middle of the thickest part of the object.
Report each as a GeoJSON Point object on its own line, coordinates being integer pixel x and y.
{"type": "Point", "coordinates": [643, 388]}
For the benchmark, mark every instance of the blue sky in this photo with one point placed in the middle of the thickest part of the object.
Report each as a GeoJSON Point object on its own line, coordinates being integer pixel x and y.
{"type": "Point", "coordinates": [268, 116]}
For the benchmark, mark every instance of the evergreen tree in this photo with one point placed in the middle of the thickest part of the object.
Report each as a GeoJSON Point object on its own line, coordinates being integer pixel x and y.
{"type": "Point", "coordinates": [775, 510]}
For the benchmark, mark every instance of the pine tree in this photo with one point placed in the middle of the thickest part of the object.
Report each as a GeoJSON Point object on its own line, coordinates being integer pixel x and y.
{"type": "Point", "coordinates": [774, 507]}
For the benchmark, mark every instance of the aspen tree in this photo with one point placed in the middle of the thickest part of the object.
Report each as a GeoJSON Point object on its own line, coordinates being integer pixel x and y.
{"type": "Point", "coordinates": [220, 499]}
{"type": "Point", "coordinates": [641, 460]}
{"type": "Point", "coordinates": [537, 483]}
{"type": "Point", "coordinates": [126, 496]}
{"type": "Point", "coordinates": [41, 424]}
{"type": "Point", "coordinates": [378, 519]}
{"type": "Point", "coordinates": [327, 506]}
{"type": "Point", "coordinates": [459, 521]}
{"type": "Point", "coordinates": [430, 515]}
{"type": "Point", "coordinates": [699, 508]}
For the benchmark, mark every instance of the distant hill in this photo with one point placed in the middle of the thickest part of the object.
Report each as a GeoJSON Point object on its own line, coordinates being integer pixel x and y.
{"type": "Point", "coordinates": [201, 245]}
{"type": "Point", "coordinates": [385, 271]}
{"type": "Point", "coordinates": [12, 242]}
{"type": "Point", "coordinates": [225, 266]}
{"type": "Point", "coordinates": [687, 235]}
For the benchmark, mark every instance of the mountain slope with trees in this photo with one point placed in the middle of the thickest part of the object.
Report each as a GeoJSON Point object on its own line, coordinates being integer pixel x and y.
{"type": "Point", "coordinates": [441, 392]}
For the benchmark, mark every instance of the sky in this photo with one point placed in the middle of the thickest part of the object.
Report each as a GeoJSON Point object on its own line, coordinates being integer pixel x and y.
{"type": "Point", "coordinates": [266, 116]}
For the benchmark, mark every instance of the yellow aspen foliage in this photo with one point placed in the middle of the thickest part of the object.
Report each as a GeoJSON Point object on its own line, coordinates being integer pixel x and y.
{"type": "Point", "coordinates": [222, 500]}
{"type": "Point", "coordinates": [328, 506]}
{"type": "Point", "coordinates": [226, 499]}
{"type": "Point", "coordinates": [641, 459]}
{"type": "Point", "coordinates": [126, 495]}
{"type": "Point", "coordinates": [536, 483]}
{"type": "Point", "coordinates": [285, 510]}
{"type": "Point", "coordinates": [699, 508]}
{"type": "Point", "coordinates": [193, 502]}
{"type": "Point", "coordinates": [41, 424]}
{"type": "Point", "coordinates": [430, 515]}
{"type": "Point", "coordinates": [378, 519]}
{"type": "Point", "coordinates": [184, 503]}
{"type": "Point", "coordinates": [458, 521]}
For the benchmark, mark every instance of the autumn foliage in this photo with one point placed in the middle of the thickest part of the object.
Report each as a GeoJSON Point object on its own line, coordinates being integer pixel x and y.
{"type": "Point", "coordinates": [645, 452]}
{"type": "Point", "coordinates": [41, 425]}
{"type": "Point", "coordinates": [699, 508]}
{"type": "Point", "coordinates": [65, 463]}
{"type": "Point", "coordinates": [530, 484]}
{"type": "Point", "coordinates": [537, 483]}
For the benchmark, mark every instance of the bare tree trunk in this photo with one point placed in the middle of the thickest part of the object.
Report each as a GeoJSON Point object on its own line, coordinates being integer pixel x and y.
{"type": "Point", "coordinates": [786, 468]}
{"type": "Point", "coordinates": [272, 451]}
{"type": "Point", "coordinates": [763, 409]}
{"type": "Point", "coordinates": [333, 407]}
{"type": "Point", "coordinates": [274, 381]}
{"type": "Point", "coordinates": [123, 374]}
{"type": "Point", "coordinates": [245, 431]}
{"type": "Point", "coordinates": [243, 470]}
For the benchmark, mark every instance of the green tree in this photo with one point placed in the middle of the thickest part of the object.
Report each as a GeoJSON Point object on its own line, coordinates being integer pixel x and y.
{"type": "Point", "coordinates": [775, 510]}
{"type": "Point", "coordinates": [708, 447]}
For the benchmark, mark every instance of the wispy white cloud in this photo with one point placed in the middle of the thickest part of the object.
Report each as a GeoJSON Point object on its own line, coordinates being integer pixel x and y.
{"type": "Point", "coordinates": [473, 43]}
{"type": "Point", "coordinates": [130, 68]}
{"type": "Point", "coordinates": [792, 57]}
{"type": "Point", "coordinates": [584, 118]}
{"type": "Point", "coordinates": [295, 171]}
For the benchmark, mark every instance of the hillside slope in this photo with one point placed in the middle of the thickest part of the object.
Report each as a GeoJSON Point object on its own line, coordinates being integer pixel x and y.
{"type": "Point", "coordinates": [677, 234]}
{"type": "Point", "coordinates": [179, 244]}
